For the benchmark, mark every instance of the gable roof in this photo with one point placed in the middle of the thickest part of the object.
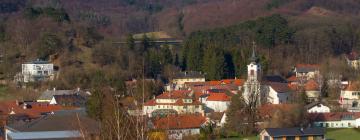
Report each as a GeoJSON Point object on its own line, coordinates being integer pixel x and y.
{"type": "Point", "coordinates": [353, 86]}
{"type": "Point", "coordinates": [279, 87]}
{"type": "Point", "coordinates": [292, 78]}
{"type": "Point", "coordinates": [33, 109]}
{"type": "Point", "coordinates": [176, 94]}
{"type": "Point", "coordinates": [279, 132]}
{"type": "Point", "coordinates": [48, 94]}
{"type": "Point", "coordinates": [218, 97]}
{"type": "Point", "coordinates": [179, 122]}
{"type": "Point", "coordinates": [70, 100]}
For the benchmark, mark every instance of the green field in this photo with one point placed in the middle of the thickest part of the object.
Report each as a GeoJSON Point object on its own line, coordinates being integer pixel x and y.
{"type": "Point", "coordinates": [331, 134]}
{"type": "Point", "coordinates": [342, 134]}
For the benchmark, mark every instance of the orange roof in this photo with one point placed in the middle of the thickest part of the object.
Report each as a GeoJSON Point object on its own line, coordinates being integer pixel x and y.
{"type": "Point", "coordinates": [218, 97]}
{"type": "Point", "coordinates": [293, 87]}
{"type": "Point", "coordinates": [174, 94]}
{"type": "Point", "coordinates": [179, 122]}
{"type": "Point", "coordinates": [353, 86]}
{"type": "Point", "coordinates": [311, 85]}
{"type": "Point", "coordinates": [215, 82]}
{"type": "Point", "coordinates": [35, 109]}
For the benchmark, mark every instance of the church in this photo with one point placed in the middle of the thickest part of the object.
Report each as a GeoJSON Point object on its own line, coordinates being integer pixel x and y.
{"type": "Point", "coordinates": [257, 91]}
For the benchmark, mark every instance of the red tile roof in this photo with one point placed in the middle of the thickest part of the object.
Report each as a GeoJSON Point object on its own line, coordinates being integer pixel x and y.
{"type": "Point", "coordinates": [333, 116]}
{"type": "Point", "coordinates": [34, 110]}
{"type": "Point", "coordinates": [179, 122]}
{"type": "Point", "coordinates": [218, 97]}
{"type": "Point", "coordinates": [174, 94]}
{"type": "Point", "coordinates": [311, 85]}
{"type": "Point", "coordinates": [353, 86]}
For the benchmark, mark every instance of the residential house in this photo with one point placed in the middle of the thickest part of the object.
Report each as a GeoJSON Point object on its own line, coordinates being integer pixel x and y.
{"type": "Point", "coordinates": [292, 134]}
{"type": "Point", "coordinates": [349, 96]}
{"type": "Point", "coordinates": [217, 102]}
{"type": "Point", "coordinates": [317, 107]}
{"type": "Point", "coordinates": [179, 126]}
{"type": "Point", "coordinates": [312, 90]}
{"type": "Point", "coordinates": [353, 60]}
{"type": "Point", "coordinates": [53, 127]}
{"type": "Point", "coordinates": [307, 71]}
{"type": "Point", "coordinates": [277, 93]}
{"type": "Point", "coordinates": [48, 95]}
{"type": "Point", "coordinates": [36, 71]}
{"type": "Point", "coordinates": [178, 82]}
{"type": "Point", "coordinates": [335, 119]}
{"type": "Point", "coordinates": [173, 102]}
{"type": "Point", "coordinates": [68, 100]}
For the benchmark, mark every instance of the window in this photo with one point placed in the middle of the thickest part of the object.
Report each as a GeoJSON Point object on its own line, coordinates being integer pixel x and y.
{"type": "Point", "coordinates": [290, 138]}
{"type": "Point", "coordinates": [303, 138]}
{"type": "Point", "coordinates": [266, 138]}
{"type": "Point", "coordinates": [278, 138]}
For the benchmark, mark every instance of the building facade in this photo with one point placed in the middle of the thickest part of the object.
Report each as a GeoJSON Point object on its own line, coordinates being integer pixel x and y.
{"type": "Point", "coordinates": [36, 71]}
{"type": "Point", "coordinates": [252, 93]}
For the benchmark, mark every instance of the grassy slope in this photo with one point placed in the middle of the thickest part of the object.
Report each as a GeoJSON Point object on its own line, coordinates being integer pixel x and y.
{"type": "Point", "coordinates": [343, 134]}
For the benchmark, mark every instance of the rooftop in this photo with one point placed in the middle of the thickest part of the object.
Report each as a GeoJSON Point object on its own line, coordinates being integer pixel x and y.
{"type": "Point", "coordinates": [306, 67]}
{"type": "Point", "coordinates": [312, 85]}
{"type": "Point", "coordinates": [279, 87]}
{"type": "Point", "coordinates": [179, 122]}
{"type": "Point", "coordinates": [189, 74]}
{"type": "Point", "coordinates": [218, 97]}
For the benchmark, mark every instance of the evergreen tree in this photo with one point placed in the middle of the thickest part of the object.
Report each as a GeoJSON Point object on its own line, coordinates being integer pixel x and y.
{"type": "Point", "coordinates": [94, 105]}
{"type": "Point", "coordinates": [130, 41]}
{"type": "Point", "coordinates": [214, 63]}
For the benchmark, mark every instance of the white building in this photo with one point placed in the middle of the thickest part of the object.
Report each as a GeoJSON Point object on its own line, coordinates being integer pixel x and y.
{"type": "Point", "coordinates": [349, 96]}
{"type": "Point", "coordinates": [353, 60]}
{"type": "Point", "coordinates": [307, 71]}
{"type": "Point", "coordinates": [36, 71]}
{"type": "Point", "coordinates": [252, 85]}
{"type": "Point", "coordinates": [317, 107]}
{"type": "Point", "coordinates": [312, 90]}
{"type": "Point", "coordinates": [174, 102]}
{"type": "Point", "coordinates": [180, 79]}
{"type": "Point", "coordinates": [336, 119]}
{"type": "Point", "coordinates": [277, 93]}
{"type": "Point", "coordinates": [218, 102]}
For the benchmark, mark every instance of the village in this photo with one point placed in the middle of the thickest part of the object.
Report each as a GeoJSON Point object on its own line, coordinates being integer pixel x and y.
{"type": "Point", "coordinates": [189, 104]}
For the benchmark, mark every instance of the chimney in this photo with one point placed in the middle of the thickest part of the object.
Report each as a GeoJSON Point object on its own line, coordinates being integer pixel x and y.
{"type": "Point", "coordinates": [25, 106]}
{"type": "Point", "coordinates": [54, 89]}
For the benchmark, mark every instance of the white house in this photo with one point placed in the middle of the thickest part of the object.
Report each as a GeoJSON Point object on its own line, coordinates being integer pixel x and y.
{"type": "Point", "coordinates": [174, 102]}
{"type": "Point", "coordinates": [312, 90]}
{"type": "Point", "coordinates": [36, 71]}
{"type": "Point", "coordinates": [277, 93]}
{"type": "Point", "coordinates": [349, 96]}
{"type": "Point", "coordinates": [178, 82]}
{"type": "Point", "coordinates": [180, 125]}
{"type": "Point", "coordinates": [317, 107]}
{"type": "Point", "coordinates": [336, 119]}
{"type": "Point", "coordinates": [218, 102]}
{"type": "Point", "coordinates": [307, 71]}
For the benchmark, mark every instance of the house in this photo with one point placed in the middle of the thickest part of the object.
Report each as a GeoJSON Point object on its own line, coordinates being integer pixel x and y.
{"type": "Point", "coordinates": [307, 71]}
{"type": "Point", "coordinates": [353, 60]}
{"type": "Point", "coordinates": [335, 119]}
{"type": "Point", "coordinates": [217, 102]}
{"type": "Point", "coordinates": [217, 118]}
{"type": "Point", "coordinates": [312, 90]}
{"type": "Point", "coordinates": [349, 96]}
{"type": "Point", "coordinates": [317, 107]}
{"type": "Point", "coordinates": [68, 100]}
{"type": "Point", "coordinates": [36, 71]}
{"type": "Point", "coordinates": [277, 93]}
{"type": "Point", "coordinates": [178, 82]}
{"type": "Point", "coordinates": [54, 127]}
{"type": "Point", "coordinates": [180, 126]}
{"type": "Point", "coordinates": [292, 134]}
{"type": "Point", "coordinates": [173, 102]}
{"type": "Point", "coordinates": [48, 95]}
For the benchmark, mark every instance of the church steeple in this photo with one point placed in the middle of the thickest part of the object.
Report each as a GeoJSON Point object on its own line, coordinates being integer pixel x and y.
{"type": "Point", "coordinates": [253, 56]}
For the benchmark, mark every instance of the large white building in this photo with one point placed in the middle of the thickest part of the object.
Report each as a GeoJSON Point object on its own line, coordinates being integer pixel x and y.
{"type": "Point", "coordinates": [336, 119]}
{"type": "Point", "coordinates": [277, 93]}
{"type": "Point", "coordinates": [36, 71]}
{"type": "Point", "coordinates": [317, 107]}
{"type": "Point", "coordinates": [350, 96]}
{"type": "Point", "coordinates": [178, 82]}
{"type": "Point", "coordinates": [173, 102]}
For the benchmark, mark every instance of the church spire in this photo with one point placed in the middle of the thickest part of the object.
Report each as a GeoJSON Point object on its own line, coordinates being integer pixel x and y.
{"type": "Point", "coordinates": [253, 56]}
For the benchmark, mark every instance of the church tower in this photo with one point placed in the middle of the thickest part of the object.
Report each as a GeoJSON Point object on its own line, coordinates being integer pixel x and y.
{"type": "Point", "coordinates": [251, 92]}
